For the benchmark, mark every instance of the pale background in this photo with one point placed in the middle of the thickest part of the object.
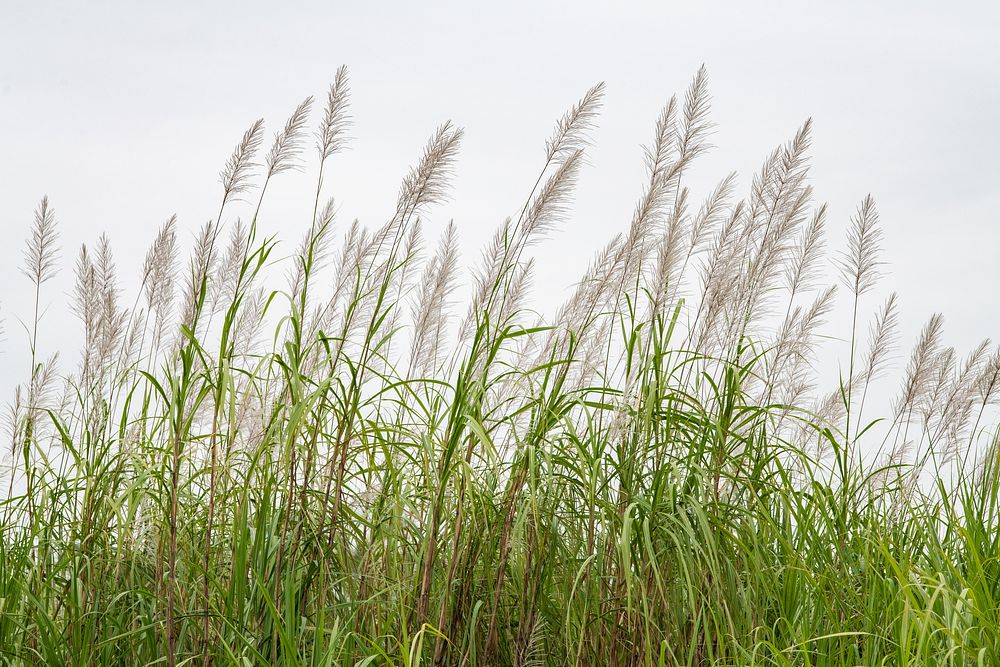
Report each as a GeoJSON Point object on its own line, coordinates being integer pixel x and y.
{"type": "Point", "coordinates": [123, 113]}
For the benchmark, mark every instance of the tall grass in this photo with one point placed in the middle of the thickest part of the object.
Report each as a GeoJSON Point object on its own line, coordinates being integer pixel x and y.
{"type": "Point", "coordinates": [373, 461]}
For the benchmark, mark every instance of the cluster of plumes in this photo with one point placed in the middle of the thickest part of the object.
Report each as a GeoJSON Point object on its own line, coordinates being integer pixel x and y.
{"type": "Point", "coordinates": [692, 337]}
{"type": "Point", "coordinates": [741, 277]}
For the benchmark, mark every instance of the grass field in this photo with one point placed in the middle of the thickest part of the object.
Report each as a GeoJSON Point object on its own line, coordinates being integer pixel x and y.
{"type": "Point", "coordinates": [350, 454]}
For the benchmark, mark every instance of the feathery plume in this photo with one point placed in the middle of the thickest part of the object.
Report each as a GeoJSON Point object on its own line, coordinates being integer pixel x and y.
{"type": "Point", "coordinates": [249, 321]}
{"type": "Point", "coordinates": [236, 175]}
{"type": "Point", "coordinates": [313, 251]}
{"type": "Point", "coordinates": [113, 320]}
{"type": "Point", "coordinates": [590, 295]}
{"type": "Point", "coordinates": [986, 389]}
{"type": "Point", "coordinates": [87, 306]}
{"type": "Point", "coordinates": [711, 213]}
{"type": "Point", "coordinates": [720, 271]}
{"type": "Point", "coordinates": [427, 183]}
{"type": "Point", "coordinates": [552, 200]}
{"type": "Point", "coordinates": [331, 136]}
{"type": "Point", "coordinates": [160, 273]}
{"type": "Point", "coordinates": [660, 156]}
{"type": "Point", "coordinates": [347, 265]}
{"type": "Point", "coordinates": [921, 366]}
{"type": "Point", "coordinates": [813, 318]}
{"type": "Point", "coordinates": [570, 134]}
{"type": "Point", "coordinates": [516, 296]}
{"type": "Point", "coordinates": [288, 142]}
{"type": "Point", "coordinates": [670, 255]}
{"type": "Point", "coordinates": [224, 279]}
{"type": "Point", "coordinates": [401, 276]}
{"type": "Point", "coordinates": [859, 266]}
{"type": "Point", "coordinates": [41, 253]}
{"type": "Point", "coordinates": [202, 267]}
{"type": "Point", "coordinates": [695, 125]}
{"type": "Point", "coordinates": [803, 266]}
{"type": "Point", "coordinates": [791, 358]}
{"type": "Point", "coordinates": [430, 313]}
{"type": "Point", "coordinates": [988, 386]}
{"type": "Point", "coordinates": [943, 371]}
{"type": "Point", "coordinates": [486, 276]}
{"type": "Point", "coordinates": [881, 340]}
{"type": "Point", "coordinates": [43, 385]}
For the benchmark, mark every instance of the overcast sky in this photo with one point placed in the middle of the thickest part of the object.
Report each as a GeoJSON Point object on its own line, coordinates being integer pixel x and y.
{"type": "Point", "coordinates": [123, 113]}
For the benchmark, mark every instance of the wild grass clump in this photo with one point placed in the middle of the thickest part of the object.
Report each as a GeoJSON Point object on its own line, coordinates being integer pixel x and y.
{"type": "Point", "coordinates": [352, 455]}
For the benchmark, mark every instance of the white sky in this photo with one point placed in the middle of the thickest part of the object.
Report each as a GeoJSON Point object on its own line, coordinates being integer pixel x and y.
{"type": "Point", "coordinates": [123, 113]}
